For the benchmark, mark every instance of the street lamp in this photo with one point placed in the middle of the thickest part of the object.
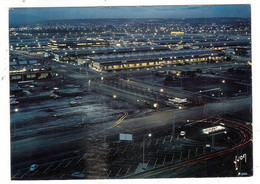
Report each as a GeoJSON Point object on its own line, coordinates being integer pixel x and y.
{"type": "Point", "coordinates": [149, 136]}
{"type": "Point", "coordinates": [213, 136]}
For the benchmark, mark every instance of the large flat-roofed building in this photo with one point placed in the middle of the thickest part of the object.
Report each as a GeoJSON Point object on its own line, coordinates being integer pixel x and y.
{"type": "Point", "coordinates": [86, 43]}
{"type": "Point", "coordinates": [73, 56]}
{"type": "Point", "coordinates": [221, 45]}
{"type": "Point", "coordinates": [151, 59]}
{"type": "Point", "coordinates": [177, 32]}
{"type": "Point", "coordinates": [29, 70]}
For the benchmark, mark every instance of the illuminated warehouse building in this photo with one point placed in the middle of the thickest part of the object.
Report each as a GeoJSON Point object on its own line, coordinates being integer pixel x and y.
{"type": "Point", "coordinates": [151, 59]}
{"type": "Point", "coordinates": [80, 43]}
{"type": "Point", "coordinates": [29, 70]}
{"type": "Point", "coordinates": [75, 56]}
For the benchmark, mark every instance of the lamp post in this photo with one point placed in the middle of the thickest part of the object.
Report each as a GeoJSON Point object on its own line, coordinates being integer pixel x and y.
{"type": "Point", "coordinates": [213, 136]}
{"type": "Point", "coordinates": [149, 135]}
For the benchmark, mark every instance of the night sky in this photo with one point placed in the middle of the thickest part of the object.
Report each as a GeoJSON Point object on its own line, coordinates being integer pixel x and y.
{"type": "Point", "coordinates": [38, 14]}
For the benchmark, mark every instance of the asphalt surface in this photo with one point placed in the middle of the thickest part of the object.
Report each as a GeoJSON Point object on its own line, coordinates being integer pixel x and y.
{"type": "Point", "coordinates": [57, 143]}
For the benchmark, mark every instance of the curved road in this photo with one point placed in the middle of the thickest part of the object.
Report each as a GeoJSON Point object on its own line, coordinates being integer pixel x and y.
{"type": "Point", "coordinates": [245, 131]}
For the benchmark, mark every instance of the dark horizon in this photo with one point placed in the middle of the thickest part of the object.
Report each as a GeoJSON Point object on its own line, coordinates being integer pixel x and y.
{"type": "Point", "coordinates": [29, 15]}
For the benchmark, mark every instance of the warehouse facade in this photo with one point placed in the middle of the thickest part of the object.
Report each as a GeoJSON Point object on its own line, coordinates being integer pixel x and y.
{"type": "Point", "coordinates": [151, 59]}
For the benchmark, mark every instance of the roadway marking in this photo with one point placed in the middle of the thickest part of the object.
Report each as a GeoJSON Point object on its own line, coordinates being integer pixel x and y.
{"type": "Point", "coordinates": [172, 157]}
{"type": "Point", "coordinates": [149, 144]}
{"type": "Point", "coordinates": [48, 168]}
{"type": "Point", "coordinates": [109, 173]}
{"type": "Point", "coordinates": [189, 154]}
{"type": "Point", "coordinates": [118, 172]}
{"type": "Point", "coordinates": [141, 145]}
{"type": "Point", "coordinates": [127, 170]}
{"type": "Point", "coordinates": [25, 173]}
{"type": "Point", "coordinates": [118, 121]}
{"type": "Point", "coordinates": [79, 160]}
{"type": "Point", "coordinates": [164, 160]}
{"type": "Point", "coordinates": [115, 152]}
{"type": "Point", "coordinates": [69, 163]}
{"type": "Point", "coordinates": [59, 165]}
{"type": "Point", "coordinates": [180, 155]}
{"type": "Point", "coordinates": [171, 139]}
{"type": "Point", "coordinates": [132, 148]}
{"type": "Point", "coordinates": [17, 173]}
{"type": "Point", "coordinates": [107, 153]}
{"type": "Point", "coordinates": [35, 172]}
{"type": "Point", "coordinates": [98, 155]}
{"type": "Point", "coordinates": [156, 141]}
{"type": "Point", "coordinates": [124, 149]}
{"type": "Point", "coordinates": [163, 140]}
{"type": "Point", "coordinates": [155, 163]}
{"type": "Point", "coordinates": [147, 164]}
{"type": "Point", "coordinates": [85, 169]}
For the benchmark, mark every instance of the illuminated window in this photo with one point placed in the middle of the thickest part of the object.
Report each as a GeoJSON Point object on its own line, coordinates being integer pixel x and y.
{"type": "Point", "coordinates": [29, 76]}
{"type": "Point", "coordinates": [15, 77]}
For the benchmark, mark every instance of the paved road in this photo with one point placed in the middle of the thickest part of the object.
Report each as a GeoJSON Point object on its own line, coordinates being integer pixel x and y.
{"type": "Point", "coordinates": [167, 171]}
{"type": "Point", "coordinates": [33, 146]}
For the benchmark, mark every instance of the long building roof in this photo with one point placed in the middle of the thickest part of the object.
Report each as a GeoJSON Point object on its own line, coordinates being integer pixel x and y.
{"type": "Point", "coordinates": [152, 55]}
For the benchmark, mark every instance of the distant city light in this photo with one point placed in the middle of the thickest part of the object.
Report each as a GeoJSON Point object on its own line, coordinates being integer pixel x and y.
{"type": "Point", "coordinates": [16, 110]}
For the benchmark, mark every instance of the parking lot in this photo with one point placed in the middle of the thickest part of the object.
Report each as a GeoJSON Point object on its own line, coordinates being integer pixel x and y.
{"type": "Point", "coordinates": [121, 158]}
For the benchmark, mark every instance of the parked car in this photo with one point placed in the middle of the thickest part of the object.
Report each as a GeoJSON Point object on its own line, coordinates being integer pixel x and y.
{"type": "Point", "coordinates": [56, 115]}
{"type": "Point", "coordinates": [73, 104]}
{"type": "Point", "coordinates": [78, 97]}
{"type": "Point", "coordinates": [13, 101]}
{"type": "Point", "coordinates": [34, 167]}
{"type": "Point", "coordinates": [77, 175]}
